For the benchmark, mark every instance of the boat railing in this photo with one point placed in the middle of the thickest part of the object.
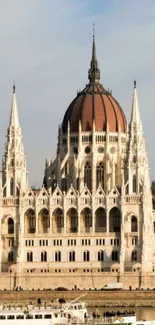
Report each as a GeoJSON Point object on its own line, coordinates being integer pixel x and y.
{"type": "Point", "coordinates": [108, 319]}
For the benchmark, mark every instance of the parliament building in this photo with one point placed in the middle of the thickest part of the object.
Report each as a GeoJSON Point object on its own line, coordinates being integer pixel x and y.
{"type": "Point", "coordinates": [92, 222]}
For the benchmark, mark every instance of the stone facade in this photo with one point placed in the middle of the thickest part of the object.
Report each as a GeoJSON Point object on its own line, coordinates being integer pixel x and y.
{"type": "Point", "coordinates": [92, 221]}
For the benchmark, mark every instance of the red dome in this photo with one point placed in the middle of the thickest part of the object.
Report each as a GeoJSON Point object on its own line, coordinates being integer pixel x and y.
{"type": "Point", "coordinates": [94, 103]}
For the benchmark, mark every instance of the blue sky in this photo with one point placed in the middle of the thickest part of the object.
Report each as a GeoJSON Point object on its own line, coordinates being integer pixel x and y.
{"type": "Point", "coordinates": [46, 49]}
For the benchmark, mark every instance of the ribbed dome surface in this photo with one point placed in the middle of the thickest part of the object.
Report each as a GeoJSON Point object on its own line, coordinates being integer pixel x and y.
{"type": "Point", "coordinates": [94, 103]}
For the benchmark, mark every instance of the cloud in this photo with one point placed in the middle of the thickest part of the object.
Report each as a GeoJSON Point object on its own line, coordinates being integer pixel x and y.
{"type": "Point", "coordinates": [46, 48]}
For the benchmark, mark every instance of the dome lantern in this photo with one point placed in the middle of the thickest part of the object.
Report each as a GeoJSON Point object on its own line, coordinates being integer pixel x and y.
{"type": "Point", "coordinates": [94, 72]}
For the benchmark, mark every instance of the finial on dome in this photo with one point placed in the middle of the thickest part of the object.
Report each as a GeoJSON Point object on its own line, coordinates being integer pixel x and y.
{"type": "Point", "coordinates": [135, 82]}
{"type": "Point", "coordinates": [93, 31]}
{"type": "Point", "coordinates": [14, 88]}
{"type": "Point", "coordinates": [94, 72]}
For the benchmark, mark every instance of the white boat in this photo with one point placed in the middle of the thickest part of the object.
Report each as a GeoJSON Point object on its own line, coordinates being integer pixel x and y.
{"type": "Point", "coordinates": [67, 314]}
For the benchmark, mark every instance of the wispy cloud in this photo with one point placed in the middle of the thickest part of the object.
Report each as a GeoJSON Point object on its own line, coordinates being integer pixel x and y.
{"type": "Point", "coordinates": [46, 48]}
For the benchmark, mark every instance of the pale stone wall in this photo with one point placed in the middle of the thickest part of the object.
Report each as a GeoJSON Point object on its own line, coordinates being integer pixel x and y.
{"type": "Point", "coordinates": [92, 298]}
{"type": "Point", "coordinates": [76, 281]}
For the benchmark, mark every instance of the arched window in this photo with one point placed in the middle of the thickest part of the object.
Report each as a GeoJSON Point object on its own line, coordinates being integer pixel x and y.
{"type": "Point", "coordinates": [88, 220]}
{"type": "Point", "coordinates": [58, 256]}
{"type": "Point", "coordinates": [77, 183]}
{"type": "Point", "coordinates": [87, 175]}
{"type": "Point", "coordinates": [10, 226]}
{"type": "Point", "coordinates": [127, 189]}
{"type": "Point", "coordinates": [32, 223]}
{"type": "Point", "coordinates": [10, 257]}
{"type": "Point", "coordinates": [72, 256]}
{"type": "Point", "coordinates": [30, 220]}
{"type": "Point", "coordinates": [116, 175]}
{"type": "Point", "coordinates": [114, 220]}
{"type": "Point", "coordinates": [44, 256]}
{"type": "Point", "coordinates": [17, 191]}
{"type": "Point", "coordinates": [54, 184]}
{"type": "Point", "coordinates": [11, 186]}
{"type": "Point", "coordinates": [46, 220]}
{"type": "Point", "coordinates": [100, 220]}
{"type": "Point", "coordinates": [86, 256]}
{"type": "Point", "coordinates": [134, 224]}
{"type": "Point", "coordinates": [60, 220]}
{"type": "Point", "coordinates": [114, 255]}
{"type": "Point", "coordinates": [134, 256]}
{"type": "Point", "coordinates": [100, 256]}
{"type": "Point", "coordinates": [100, 175]}
{"type": "Point", "coordinates": [29, 257]}
{"type": "Point", "coordinates": [74, 220]}
{"type": "Point", "coordinates": [4, 192]}
{"type": "Point", "coordinates": [64, 184]}
{"type": "Point", "coordinates": [134, 184]}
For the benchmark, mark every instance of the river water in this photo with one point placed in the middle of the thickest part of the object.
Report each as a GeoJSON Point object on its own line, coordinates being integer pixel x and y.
{"type": "Point", "coordinates": [142, 313]}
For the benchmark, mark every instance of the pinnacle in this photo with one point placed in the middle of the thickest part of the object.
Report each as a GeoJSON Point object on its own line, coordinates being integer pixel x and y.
{"type": "Point", "coordinates": [135, 116]}
{"type": "Point", "coordinates": [14, 121]}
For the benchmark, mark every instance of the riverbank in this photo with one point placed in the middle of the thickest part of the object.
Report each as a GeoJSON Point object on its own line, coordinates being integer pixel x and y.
{"type": "Point", "coordinates": [92, 298]}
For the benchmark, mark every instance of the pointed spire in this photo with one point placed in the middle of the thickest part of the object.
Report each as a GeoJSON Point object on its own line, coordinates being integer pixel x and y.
{"type": "Point", "coordinates": [14, 121]}
{"type": "Point", "coordinates": [14, 88]}
{"type": "Point", "coordinates": [94, 58]}
{"type": "Point", "coordinates": [135, 116]}
{"type": "Point", "coordinates": [94, 72]}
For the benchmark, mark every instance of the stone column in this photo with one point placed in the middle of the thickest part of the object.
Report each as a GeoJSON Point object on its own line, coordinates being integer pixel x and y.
{"type": "Point", "coordinates": [107, 220]}
{"type": "Point", "coordinates": [81, 177]}
{"type": "Point", "coordinates": [50, 216]}
{"type": "Point", "coordinates": [1, 243]}
{"type": "Point", "coordinates": [50, 210]}
{"type": "Point", "coordinates": [75, 175]}
{"type": "Point", "coordinates": [93, 222]}
{"type": "Point", "coordinates": [93, 161]}
{"type": "Point", "coordinates": [36, 214]}
{"type": "Point", "coordinates": [64, 211]}
{"type": "Point", "coordinates": [79, 222]}
{"type": "Point", "coordinates": [122, 239]}
{"type": "Point", "coordinates": [19, 226]}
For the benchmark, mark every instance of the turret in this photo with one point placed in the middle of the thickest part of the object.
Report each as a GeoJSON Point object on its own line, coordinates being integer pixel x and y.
{"type": "Point", "coordinates": [137, 156]}
{"type": "Point", "coordinates": [14, 172]}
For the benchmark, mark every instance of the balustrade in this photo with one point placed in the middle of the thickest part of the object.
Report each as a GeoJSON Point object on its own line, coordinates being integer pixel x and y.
{"type": "Point", "coordinates": [43, 201]}
{"type": "Point", "coordinates": [113, 200]}
{"type": "Point", "coordinates": [10, 201]}
{"type": "Point", "coordinates": [70, 201]}
{"type": "Point", "coordinates": [29, 201]}
{"type": "Point", "coordinates": [57, 201]}
{"type": "Point", "coordinates": [133, 199]}
{"type": "Point", "coordinates": [100, 200]}
{"type": "Point", "coordinates": [85, 200]}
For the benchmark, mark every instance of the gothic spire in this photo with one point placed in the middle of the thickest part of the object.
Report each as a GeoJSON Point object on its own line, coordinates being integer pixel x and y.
{"type": "Point", "coordinates": [137, 161]}
{"type": "Point", "coordinates": [14, 171]}
{"type": "Point", "coordinates": [135, 116]}
{"type": "Point", "coordinates": [14, 121]}
{"type": "Point", "coordinates": [94, 72]}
